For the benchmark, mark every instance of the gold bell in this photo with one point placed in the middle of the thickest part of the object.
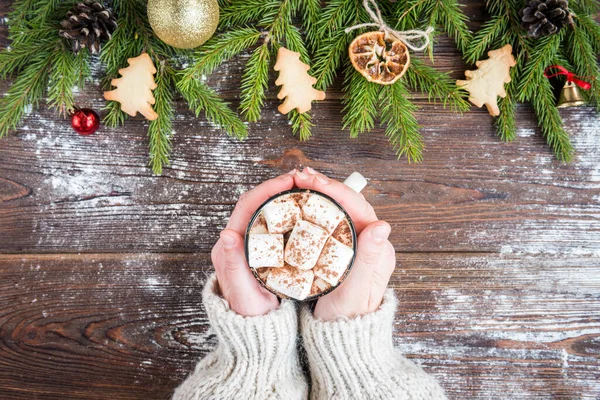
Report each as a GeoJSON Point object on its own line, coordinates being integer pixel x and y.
{"type": "Point", "coordinates": [570, 96]}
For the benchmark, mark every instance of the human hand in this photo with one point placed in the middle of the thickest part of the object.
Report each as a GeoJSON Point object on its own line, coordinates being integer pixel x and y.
{"type": "Point", "coordinates": [238, 286]}
{"type": "Point", "coordinates": [362, 291]}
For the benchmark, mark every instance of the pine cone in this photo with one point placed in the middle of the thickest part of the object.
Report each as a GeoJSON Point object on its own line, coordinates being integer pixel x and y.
{"type": "Point", "coordinates": [545, 17]}
{"type": "Point", "coordinates": [87, 25]}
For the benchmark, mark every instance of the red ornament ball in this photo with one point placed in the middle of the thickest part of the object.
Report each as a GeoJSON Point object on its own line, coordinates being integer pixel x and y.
{"type": "Point", "coordinates": [85, 121]}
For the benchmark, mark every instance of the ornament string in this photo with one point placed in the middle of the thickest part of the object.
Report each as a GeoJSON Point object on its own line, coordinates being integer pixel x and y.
{"type": "Point", "coordinates": [414, 39]}
{"type": "Point", "coordinates": [571, 77]}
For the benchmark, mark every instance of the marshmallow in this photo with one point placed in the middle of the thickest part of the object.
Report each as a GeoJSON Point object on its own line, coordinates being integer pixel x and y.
{"type": "Point", "coordinates": [300, 197]}
{"type": "Point", "coordinates": [304, 245]}
{"type": "Point", "coordinates": [356, 182]}
{"type": "Point", "coordinates": [291, 282]}
{"type": "Point", "coordinates": [281, 214]}
{"type": "Point", "coordinates": [334, 261]}
{"type": "Point", "coordinates": [322, 212]}
{"type": "Point", "coordinates": [259, 225]}
{"type": "Point", "coordinates": [343, 233]}
{"type": "Point", "coordinates": [263, 273]}
{"type": "Point", "coordinates": [318, 286]}
{"type": "Point", "coordinates": [265, 250]}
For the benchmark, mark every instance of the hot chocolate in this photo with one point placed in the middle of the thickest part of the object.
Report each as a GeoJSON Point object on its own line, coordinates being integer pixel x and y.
{"type": "Point", "coordinates": [300, 244]}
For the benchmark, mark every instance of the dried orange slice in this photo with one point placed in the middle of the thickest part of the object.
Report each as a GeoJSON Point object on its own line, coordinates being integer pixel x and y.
{"type": "Point", "coordinates": [379, 57]}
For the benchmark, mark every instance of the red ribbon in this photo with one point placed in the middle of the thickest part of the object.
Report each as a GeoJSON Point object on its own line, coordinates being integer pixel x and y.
{"type": "Point", "coordinates": [571, 77]}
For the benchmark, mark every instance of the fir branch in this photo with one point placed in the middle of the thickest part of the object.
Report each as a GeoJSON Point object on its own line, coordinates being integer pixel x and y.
{"type": "Point", "coordinates": [301, 124]}
{"type": "Point", "coordinates": [551, 123]}
{"type": "Point", "coordinates": [220, 49]}
{"type": "Point", "coordinates": [26, 92]}
{"type": "Point", "coordinates": [444, 14]}
{"type": "Point", "coordinates": [63, 78]}
{"type": "Point", "coordinates": [590, 7]}
{"type": "Point", "coordinates": [360, 100]}
{"type": "Point", "coordinates": [311, 11]}
{"type": "Point", "coordinates": [454, 21]}
{"type": "Point", "coordinates": [277, 22]}
{"type": "Point", "coordinates": [329, 58]}
{"type": "Point", "coordinates": [160, 130]}
{"type": "Point", "coordinates": [238, 13]}
{"type": "Point", "coordinates": [295, 43]}
{"type": "Point", "coordinates": [18, 57]}
{"type": "Point", "coordinates": [254, 83]}
{"type": "Point", "coordinates": [82, 67]}
{"type": "Point", "coordinates": [437, 85]}
{"type": "Point", "coordinates": [397, 112]}
{"type": "Point", "coordinates": [487, 38]}
{"type": "Point", "coordinates": [581, 54]}
{"type": "Point", "coordinates": [539, 55]}
{"type": "Point", "coordinates": [202, 99]}
{"type": "Point", "coordinates": [337, 15]}
{"type": "Point", "coordinates": [506, 122]}
{"type": "Point", "coordinates": [591, 29]}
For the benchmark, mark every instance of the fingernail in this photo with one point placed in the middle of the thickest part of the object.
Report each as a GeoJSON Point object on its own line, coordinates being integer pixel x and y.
{"type": "Point", "coordinates": [311, 171]}
{"type": "Point", "coordinates": [301, 175]}
{"type": "Point", "coordinates": [292, 172]}
{"type": "Point", "coordinates": [381, 233]}
{"type": "Point", "coordinates": [228, 241]}
{"type": "Point", "coordinates": [323, 179]}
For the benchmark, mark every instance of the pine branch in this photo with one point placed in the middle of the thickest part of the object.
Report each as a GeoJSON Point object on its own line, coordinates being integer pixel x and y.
{"type": "Point", "coordinates": [329, 58]}
{"type": "Point", "coordinates": [295, 43]}
{"type": "Point", "coordinates": [360, 100]}
{"type": "Point", "coordinates": [506, 122]}
{"type": "Point", "coordinates": [25, 93]}
{"type": "Point", "coordinates": [254, 83]}
{"type": "Point", "coordinates": [591, 29]}
{"type": "Point", "coordinates": [301, 124]}
{"type": "Point", "coordinates": [539, 55]}
{"type": "Point", "coordinates": [18, 57]}
{"type": "Point", "coordinates": [311, 10]}
{"type": "Point", "coordinates": [82, 68]}
{"type": "Point", "coordinates": [590, 7]}
{"type": "Point", "coordinates": [454, 21]}
{"type": "Point", "coordinates": [444, 14]}
{"type": "Point", "coordinates": [487, 38]}
{"type": "Point", "coordinates": [551, 123]}
{"type": "Point", "coordinates": [160, 130]}
{"type": "Point", "coordinates": [581, 54]}
{"type": "Point", "coordinates": [202, 99]}
{"type": "Point", "coordinates": [63, 78]}
{"type": "Point", "coordinates": [437, 85]}
{"type": "Point", "coordinates": [337, 15]}
{"type": "Point", "coordinates": [238, 13]}
{"type": "Point", "coordinates": [397, 112]}
{"type": "Point", "coordinates": [220, 49]}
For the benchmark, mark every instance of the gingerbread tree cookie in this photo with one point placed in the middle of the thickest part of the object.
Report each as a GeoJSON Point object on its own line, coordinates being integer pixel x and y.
{"type": "Point", "coordinates": [134, 88]}
{"type": "Point", "coordinates": [296, 84]}
{"type": "Point", "coordinates": [486, 83]}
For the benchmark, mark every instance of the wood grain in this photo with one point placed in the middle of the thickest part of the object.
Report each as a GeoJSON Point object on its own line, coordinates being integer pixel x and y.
{"type": "Point", "coordinates": [124, 326]}
{"type": "Point", "coordinates": [472, 193]}
{"type": "Point", "coordinates": [102, 264]}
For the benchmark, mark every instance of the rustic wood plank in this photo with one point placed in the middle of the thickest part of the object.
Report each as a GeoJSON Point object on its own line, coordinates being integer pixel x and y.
{"type": "Point", "coordinates": [130, 326]}
{"type": "Point", "coordinates": [64, 193]}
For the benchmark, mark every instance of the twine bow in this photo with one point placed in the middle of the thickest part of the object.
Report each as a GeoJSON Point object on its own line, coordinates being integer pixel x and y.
{"type": "Point", "coordinates": [571, 77]}
{"type": "Point", "coordinates": [409, 38]}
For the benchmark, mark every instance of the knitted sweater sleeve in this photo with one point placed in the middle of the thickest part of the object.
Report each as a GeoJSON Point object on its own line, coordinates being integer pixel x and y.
{"type": "Point", "coordinates": [256, 357]}
{"type": "Point", "coordinates": [355, 359]}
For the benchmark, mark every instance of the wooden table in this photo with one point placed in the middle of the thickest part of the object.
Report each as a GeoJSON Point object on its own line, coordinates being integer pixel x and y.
{"type": "Point", "coordinates": [102, 264]}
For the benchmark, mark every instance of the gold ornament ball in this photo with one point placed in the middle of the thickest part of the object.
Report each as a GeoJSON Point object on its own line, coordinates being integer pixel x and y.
{"type": "Point", "coordinates": [184, 24]}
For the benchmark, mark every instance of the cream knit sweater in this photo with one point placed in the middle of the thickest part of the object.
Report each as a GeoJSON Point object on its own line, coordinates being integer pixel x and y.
{"type": "Point", "coordinates": [257, 358]}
